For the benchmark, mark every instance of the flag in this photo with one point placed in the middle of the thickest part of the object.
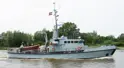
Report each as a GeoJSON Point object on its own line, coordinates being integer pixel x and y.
{"type": "Point", "coordinates": [50, 13]}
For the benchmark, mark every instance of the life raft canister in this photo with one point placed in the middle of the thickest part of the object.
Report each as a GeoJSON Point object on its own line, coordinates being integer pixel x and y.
{"type": "Point", "coordinates": [79, 48]}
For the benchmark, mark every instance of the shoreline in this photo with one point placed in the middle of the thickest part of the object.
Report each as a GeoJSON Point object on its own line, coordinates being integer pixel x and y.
{"type": "Point", "coordinates": [120, 48]}
{"type": "Point", "coordinates": [3, 48]}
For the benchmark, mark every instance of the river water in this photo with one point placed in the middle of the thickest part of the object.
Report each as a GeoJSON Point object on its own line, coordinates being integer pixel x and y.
{"type": "Point", "coordinates": [116, 61]}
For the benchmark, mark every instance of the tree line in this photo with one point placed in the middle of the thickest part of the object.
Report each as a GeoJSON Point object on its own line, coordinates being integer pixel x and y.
{"type": "Point", "coordinates": [69, 29]}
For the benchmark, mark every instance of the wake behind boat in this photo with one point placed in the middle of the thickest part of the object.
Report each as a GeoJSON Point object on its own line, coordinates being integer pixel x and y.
{"type": "Point", "coordinates": [61, 47]}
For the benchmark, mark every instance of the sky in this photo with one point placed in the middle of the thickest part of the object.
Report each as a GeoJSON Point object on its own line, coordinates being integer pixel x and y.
{"type": "Point", "coordinates": [104, 16]}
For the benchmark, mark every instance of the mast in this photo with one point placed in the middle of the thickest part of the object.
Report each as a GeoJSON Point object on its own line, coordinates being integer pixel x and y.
{"type": "Point", "coordinates": [55, 32]}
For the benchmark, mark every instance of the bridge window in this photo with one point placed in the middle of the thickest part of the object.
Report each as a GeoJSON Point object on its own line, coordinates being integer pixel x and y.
{"type": "Point", "coordinates": [68, 41]}
{"type": "Point", "coordinates": [65, 41]}
{"type": "Point", "coordinates": [75, 41]}
{"type": "Point", "coordinates": [56, 39]}
{"type": "Point", "coordinates": [80, 41]}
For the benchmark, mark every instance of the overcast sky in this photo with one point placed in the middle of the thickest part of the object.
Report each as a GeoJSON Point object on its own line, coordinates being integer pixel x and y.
{"type": "Point", "coordinates": [104, 16]}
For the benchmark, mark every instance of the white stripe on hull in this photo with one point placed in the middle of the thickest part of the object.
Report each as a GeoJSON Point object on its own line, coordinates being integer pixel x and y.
{"type": "Point", "coordinates": [91, 54]}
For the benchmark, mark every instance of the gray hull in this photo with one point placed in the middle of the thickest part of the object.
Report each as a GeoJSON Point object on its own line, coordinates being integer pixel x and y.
{"type": "Point", "coordinates": [83, 55]}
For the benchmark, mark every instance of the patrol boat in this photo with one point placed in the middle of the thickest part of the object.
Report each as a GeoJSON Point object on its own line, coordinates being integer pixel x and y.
{"type": "Point", "coordinates": [61, 48]}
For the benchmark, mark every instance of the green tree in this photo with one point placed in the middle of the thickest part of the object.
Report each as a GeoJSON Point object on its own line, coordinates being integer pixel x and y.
{"type": "Point", "coordinates": [120, 40]}
{"type": "Point", "coordinates": [69, 29]}
{"type": "Point", "coordinates": [121, 37]}
{"type": "Point", "coordinates": [14, 39]}
{"type": "Point", "coordinates": [110, 39]}
{"type": "Point", "coordinates": [91, 37]}
{"type": "Point", "coordinates": [39, 37]}
{"type": "Point", "coordinates": [49, 34]}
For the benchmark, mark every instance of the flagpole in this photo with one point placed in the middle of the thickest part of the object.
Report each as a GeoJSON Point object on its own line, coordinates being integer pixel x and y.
{"type": "Point", "coordinates": [55, 15]}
